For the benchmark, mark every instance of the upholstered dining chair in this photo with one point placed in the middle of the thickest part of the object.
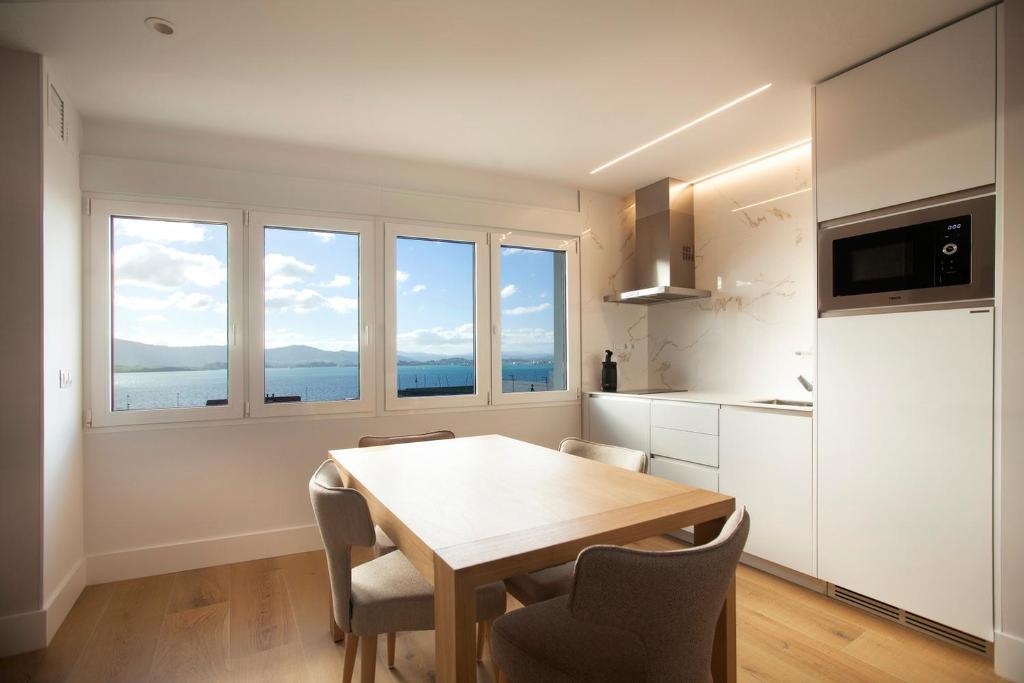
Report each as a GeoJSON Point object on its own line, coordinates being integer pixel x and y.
{"type": "Point", "coordinates": [554, 581]}
{"type": "Point", "coordinates": [386, 594]}
{"type": "Point", "coordinates": [384, 545]}
{"type": "Point", "coordinates": [632, 616]}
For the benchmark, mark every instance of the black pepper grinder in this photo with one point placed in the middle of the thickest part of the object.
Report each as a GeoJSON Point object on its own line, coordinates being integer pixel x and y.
{"type": "Point", "coordinates": [609, 373]}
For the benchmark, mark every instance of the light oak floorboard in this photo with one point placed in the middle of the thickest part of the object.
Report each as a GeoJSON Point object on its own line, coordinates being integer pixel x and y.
{"type": "Point", "coordinates": [266, 620]}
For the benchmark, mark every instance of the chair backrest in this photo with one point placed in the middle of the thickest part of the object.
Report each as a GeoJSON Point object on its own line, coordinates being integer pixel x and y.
{"type": "Point", "coordinates": [408, 438]}
{"type": "Point", "coordinates": [344, 521]}
{"type": "Point", "coordinates": [626, 458]}
{"type": "Point", "coordinates": [670, 600]}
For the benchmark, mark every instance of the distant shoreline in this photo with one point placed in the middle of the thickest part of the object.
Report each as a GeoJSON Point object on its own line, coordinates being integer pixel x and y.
{"type": "Point", "coordinates": [454, 362]}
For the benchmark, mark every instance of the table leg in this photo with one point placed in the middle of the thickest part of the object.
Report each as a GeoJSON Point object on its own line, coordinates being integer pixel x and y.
{"type": "Point", "coordinates": [723, 656]}
{"type": "Point", "coordinates": [454, 618]}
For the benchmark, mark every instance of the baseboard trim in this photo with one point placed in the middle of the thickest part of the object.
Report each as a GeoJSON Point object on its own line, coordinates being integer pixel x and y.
{"type": "Point", "coordinates": [22, 632]}
{"type": "Point", "coordinates": [63, 598]}
{"type": "Point", "coordinates": [207, 552]}
{"type": "Point", "coordinates": [1009, 656]}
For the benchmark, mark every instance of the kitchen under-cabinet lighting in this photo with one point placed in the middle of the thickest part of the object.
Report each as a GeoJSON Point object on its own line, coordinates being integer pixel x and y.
{"type": "Point", "coordinates": [683, 127]}
{"type": "Point", "coordinates": [765, 201]}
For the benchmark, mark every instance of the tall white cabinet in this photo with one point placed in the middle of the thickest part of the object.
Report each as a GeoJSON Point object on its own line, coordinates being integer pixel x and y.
{"type": "Point", "coordinates": [917, 122]}
{"type": "Point", "coordinates": [905, 413]}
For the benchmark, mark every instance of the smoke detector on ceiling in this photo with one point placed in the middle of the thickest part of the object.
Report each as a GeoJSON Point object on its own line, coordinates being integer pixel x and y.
{"type": "Point", "coordinates": [161, 26]}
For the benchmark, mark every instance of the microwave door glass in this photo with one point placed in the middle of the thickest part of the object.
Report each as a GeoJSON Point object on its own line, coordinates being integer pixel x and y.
{"type": "Point", "coordinates": [887, 261]}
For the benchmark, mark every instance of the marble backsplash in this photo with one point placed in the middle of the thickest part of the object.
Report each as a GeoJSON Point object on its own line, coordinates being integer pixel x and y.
{"type": "Point", "coordinates": [756, 332]}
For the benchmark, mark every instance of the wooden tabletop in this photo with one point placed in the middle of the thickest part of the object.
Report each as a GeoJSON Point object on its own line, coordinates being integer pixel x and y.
{"type": "Point", "coordinates": [472, 510]}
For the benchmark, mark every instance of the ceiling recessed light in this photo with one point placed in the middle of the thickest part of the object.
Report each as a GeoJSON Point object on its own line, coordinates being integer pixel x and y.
{"type": "Point", "coordinates": [161, 26]}
{"type": "Point", "coordinates": [683, 127]}
{"type": "Point", "coordinates": [747, 162]}
{"type": "Point", "coordinates": [772, 199]}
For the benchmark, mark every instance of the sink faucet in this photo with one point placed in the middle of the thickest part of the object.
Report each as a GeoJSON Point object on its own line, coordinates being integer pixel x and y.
{"type": "Point", "coordinates": [805, 383]}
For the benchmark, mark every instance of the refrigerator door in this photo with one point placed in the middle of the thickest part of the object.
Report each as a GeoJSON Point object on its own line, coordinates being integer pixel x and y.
{"type": "Point", "coordinates": [904, 420]}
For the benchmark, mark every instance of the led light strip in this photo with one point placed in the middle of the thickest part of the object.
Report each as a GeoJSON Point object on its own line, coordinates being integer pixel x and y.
{"type": "Point", "coordinates": [741, 164]}
{"type": "Point", "coordinates": [765, 201]}
{"type": "Point", "coordinates": [682, 128]}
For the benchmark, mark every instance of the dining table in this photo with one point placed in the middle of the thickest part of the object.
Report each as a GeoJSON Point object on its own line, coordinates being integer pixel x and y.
{"type": "Point", "coordinates": [478, 509]}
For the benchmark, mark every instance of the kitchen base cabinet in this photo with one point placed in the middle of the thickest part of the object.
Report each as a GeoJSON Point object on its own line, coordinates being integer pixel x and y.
{"type": "Point", "coordinates": [765, 463]}
{"type": "Point", "coordinates": [698, 476]}
{"type": "Point", "coordinates": [620, 421]}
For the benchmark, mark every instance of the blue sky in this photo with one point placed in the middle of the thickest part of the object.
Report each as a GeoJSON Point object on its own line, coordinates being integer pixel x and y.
{"type": "Point", "coordinates": [171, 289]}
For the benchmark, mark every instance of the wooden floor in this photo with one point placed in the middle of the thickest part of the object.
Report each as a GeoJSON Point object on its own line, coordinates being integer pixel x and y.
{"type": "Point", "coordinates": [266, 620]}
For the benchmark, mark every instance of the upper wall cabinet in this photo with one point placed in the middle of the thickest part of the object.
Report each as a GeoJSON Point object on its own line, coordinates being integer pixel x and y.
{"type": "Point", "coordinates": [915, 123]}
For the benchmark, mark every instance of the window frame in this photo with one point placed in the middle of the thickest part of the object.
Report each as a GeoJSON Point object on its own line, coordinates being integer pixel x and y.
{"type": "Point", "coordinates": [570, 246]}
{"type": "Point", "coordinates": [481, 337]}
{"type": "Point", "coordinates": [258, 221]}
{"type": "Point", "coordinates": [101, 298]}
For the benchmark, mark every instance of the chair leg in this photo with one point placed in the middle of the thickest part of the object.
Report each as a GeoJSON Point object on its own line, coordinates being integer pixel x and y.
{"type": "Point", "coordinates": [391, 650]}
{"type": "Point", "coordinates": [351, 645]}
{"type": "Point", "coordinates": [368, 660]}
{"type": "Point", "coordinates": [482, 629]}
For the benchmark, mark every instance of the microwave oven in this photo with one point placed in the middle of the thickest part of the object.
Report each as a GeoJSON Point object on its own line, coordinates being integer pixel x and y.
{"type": "Point", "coordinates": [938, 254]}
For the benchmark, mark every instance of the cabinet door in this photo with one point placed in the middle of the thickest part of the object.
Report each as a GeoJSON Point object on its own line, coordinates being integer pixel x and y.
{"type": "Point", "coordinates": [620, 421]}
{"type": "Point", "coordinates": [698, 476]}
{"type": "Point", "coordinates": [765, 463]}
{"type": "Point", "coordinates": [914, 123]}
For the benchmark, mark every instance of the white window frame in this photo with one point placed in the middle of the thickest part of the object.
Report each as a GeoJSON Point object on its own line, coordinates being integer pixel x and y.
{"type": "Point", "coordinates": [101, 334]}
{"type": "Point", "coordinates": [364, 228]}
{"type": "Point", "coordinates": [571, 301]}
{"type": "Point", "coordinates": [481, 298]}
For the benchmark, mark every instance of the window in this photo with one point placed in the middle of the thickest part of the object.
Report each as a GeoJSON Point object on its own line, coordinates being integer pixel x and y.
{"type": "Point", "coordinates": [309, 314]}
{"type": "Point", "coordinates": [436, 292]}
{"type": "Point", "coordinates": [165, 282]}
{"type": "Point", "coordinates": [536, 316]}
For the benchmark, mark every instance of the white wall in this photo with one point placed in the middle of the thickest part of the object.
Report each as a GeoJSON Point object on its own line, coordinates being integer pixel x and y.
{"type": "Point", "coordinates": [21, 329]}
{"type": "Point", "coordinates": [164, 498]}
{"type": "Point", "coordinates": [63, 541]}
{"type": "Point", "coordinates": [759, 265]}
{"type": "Point", "coordinates": [1010, 609]}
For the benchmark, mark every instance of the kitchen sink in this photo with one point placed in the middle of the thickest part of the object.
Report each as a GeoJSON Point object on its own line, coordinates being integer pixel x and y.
{"type": "Point", "coordinates": [784, 402]}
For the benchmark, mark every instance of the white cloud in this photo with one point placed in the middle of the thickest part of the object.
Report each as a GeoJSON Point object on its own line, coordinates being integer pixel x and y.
{"type": "Point", "coordinates": [338, 281]}
{"type": "Point", "coordinates": [193, 301]}
{"type": "Point", "coordinates": [533, 339]}
{"type": "Point", "coordinates": [324, 236]}
{"type": "Point", "coordinates": [306, 300]}
{"type": "Point", "coordinates": [401, 276]}
{"type": "Point", "coordinates": [525, 310]}
{"type": "Point", "coordinates": [281, 270]}
{"type": "Point", "coordinates": [156, 266]}
{"type": "Point", "coordinates": [508, 290]}
{"type": "Point", "coordinates": [159, 231]}
{"type": "Point", "coordinates": [175, 336]}
{"type": "Point", "coordinates": [153, 318]}
{"type": "Point", "coordinates": [439, 340]}
{"type": "Point", "coordinates": [511, 251]}
{"type": "Point", "coordinates": [543, 295]}
{"type": "Point", "coordinates": [419, 288]}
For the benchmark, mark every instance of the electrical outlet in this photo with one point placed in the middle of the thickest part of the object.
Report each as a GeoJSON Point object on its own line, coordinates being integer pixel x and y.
{"type": "Point", "coordinates": [65, 379]}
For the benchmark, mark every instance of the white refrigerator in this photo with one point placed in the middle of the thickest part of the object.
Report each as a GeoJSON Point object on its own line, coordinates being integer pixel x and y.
{"type": "Point", "coordinates": [904, 424]}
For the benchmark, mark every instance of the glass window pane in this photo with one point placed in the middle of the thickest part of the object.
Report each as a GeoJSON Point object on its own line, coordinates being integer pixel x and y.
{"type": "Point", "coordinates": [435, 305]}
{"type": "Point", "coordinates": [169, 313]}
{"type": "Point", "coordinates": [533, 322]}
{"type": "Point", "coordinates": [311, 315]}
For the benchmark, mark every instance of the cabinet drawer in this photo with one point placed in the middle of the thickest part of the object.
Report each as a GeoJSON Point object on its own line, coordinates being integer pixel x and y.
{"type": "Point", "coordinates": [693, 417]}
{"type": "Point", "coordinates": [690, 446]}
{"type": "Point", "coordinates": [698, 476]}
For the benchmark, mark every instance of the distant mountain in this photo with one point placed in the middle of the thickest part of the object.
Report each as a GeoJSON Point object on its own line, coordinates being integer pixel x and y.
{"type": "Point", "coordinates": [131, 356]}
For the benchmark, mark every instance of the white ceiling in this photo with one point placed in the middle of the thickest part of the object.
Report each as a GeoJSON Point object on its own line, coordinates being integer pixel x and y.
{"type": "Point", "coordinates": [545, 89]}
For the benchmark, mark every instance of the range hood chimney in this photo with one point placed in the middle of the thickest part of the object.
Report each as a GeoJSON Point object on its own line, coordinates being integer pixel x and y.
{"type": "Point", "coordinates": [664, 246]}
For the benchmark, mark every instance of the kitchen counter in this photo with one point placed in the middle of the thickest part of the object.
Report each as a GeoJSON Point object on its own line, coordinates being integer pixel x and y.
{"type": "Point", "coordinates": [744, 400]}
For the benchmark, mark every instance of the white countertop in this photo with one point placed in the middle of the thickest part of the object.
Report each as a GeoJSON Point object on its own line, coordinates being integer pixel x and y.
{"type": "Point", "coordinates": [745, 400]}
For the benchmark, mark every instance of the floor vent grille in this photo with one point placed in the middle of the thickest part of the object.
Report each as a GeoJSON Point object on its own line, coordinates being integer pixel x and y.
{"type": "Point", "coordinates": [914, 621]}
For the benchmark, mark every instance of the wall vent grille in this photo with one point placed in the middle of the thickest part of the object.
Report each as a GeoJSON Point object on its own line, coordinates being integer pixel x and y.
{"type": "Point", "coordinates": [56, 113]}
{"type": "Point", "coordinates": [914, 621]}
{"type": "Point", "coordinates": [687, 253]}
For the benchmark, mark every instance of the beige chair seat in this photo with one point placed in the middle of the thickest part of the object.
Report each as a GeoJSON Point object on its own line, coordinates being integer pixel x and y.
{"type": "Point", "coordinates": [389, 594]}
{"type": "Point", "coordinates": [541, 585]}
{"type": "Point", "coordinates": [382, 544]}
{"type": "Point", "coordinates": [545, 644]}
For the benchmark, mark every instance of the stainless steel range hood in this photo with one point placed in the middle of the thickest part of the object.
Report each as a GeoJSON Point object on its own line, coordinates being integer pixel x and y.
{"type": "Point", "coordinates": [664, 246]}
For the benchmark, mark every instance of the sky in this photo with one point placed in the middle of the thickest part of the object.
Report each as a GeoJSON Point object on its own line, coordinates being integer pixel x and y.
{"type": "Point", "coordinates": [170, 288]}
